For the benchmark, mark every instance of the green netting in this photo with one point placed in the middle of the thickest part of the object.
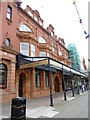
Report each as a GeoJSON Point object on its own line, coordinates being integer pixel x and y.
{"type": "Point", "coordinates": [74, 56]}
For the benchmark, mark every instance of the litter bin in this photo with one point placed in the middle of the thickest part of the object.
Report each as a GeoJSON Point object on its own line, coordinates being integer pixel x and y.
{"type": "Point", "coordinates": [18, 109]}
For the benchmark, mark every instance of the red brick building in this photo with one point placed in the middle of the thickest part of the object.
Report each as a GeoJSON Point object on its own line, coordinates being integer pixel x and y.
{"type": "Point", "coordinates": [22, 32]}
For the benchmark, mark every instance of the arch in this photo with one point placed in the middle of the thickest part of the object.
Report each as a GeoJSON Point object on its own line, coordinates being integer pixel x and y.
{"type": "Point", "coordinates": [25, 28]}
{"type": "Point", "coordinates": [22, 85]}
{"type": "Point", "coordinates": [3, 76]}
{"type": "Point", "coordinates": [41, 39]}
{"type": "Point", "coordinates": [56, 84]}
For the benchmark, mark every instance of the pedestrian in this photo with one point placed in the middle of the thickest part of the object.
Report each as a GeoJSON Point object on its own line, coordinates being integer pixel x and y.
{"type": "Point", "coordinates": [82, 87]}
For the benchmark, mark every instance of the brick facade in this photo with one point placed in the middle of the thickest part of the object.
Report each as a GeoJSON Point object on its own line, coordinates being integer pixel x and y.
{"type": "Point", "coordinates": [52, 47]}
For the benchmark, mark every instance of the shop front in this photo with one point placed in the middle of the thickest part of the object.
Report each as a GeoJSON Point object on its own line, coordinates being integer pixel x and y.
{"type": "Point", "coordinates": [7, 76]}
{"type": "Point", "coordinates": [43, 76]}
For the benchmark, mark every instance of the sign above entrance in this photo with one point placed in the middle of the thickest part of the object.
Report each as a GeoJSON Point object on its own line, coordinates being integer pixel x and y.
{"type": "Point", "coordinates": [66, 68]}
{"type": "Point", "coordinates": [34, 64]}
{"type": "Point", "coordinates": [54, 63]}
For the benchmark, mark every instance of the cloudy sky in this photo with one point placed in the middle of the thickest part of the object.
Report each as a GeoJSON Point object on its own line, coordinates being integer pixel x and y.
{"type": "Point", "coordinates": [65, 20]}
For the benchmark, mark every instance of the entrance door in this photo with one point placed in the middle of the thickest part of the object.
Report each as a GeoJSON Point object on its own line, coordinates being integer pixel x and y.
{"type": "Point", "coordinates": [57, 88]}
{"type": "Point", "coordinates": [22, 85]}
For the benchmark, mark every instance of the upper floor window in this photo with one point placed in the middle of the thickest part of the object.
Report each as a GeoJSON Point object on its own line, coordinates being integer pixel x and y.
{"type": "Point", "coordinates": [42, 54]}
{"type": "Point", "coordinates": [25, 28]}
{"type": "Point", "coordinates": [3, 76]}
{"type": "Point", "coordinates": [9, 13]}
{"type": "Point", "coordinates": [36, 19]}
{"type": "Point", "coordinates": [53, 49]}
{"type": "Point", "coordinates": [40, 23]}
{"type": "Point", "coordinates": [30, 13]}
{"type": "Point", "coordinates": [32, 50]}
{"type": "Point", "coordinates": [41, 40]}
{"type": "Point", "coordinates": [66, 56]}
{"type": "Point", "coordinates": [7, 42]}
{"type": "Point", "coordinates": [24, 48]}
{"type": "Point", "coordinates": [48, 55]}
{"type": "Point", "coordinates": [62, 62]}
{"type": "Point", "coordinates": [52, 34]}
{"type": "Point", "coordinates": [60, 53]}
{"type": "Point", "coordinates": [60, 41]}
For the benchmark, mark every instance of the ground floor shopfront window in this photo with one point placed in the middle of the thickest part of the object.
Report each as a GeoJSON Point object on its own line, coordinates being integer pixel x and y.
{"type": "Point", "coordinates": [38, 78]}
{"type": "Point", "coordinates": [47, 78]}
{"type": "Point", "coordinates": [3, 76]}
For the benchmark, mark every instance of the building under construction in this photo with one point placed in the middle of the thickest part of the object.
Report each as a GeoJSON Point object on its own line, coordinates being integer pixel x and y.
{"type": "Point", "coordinates": [74, 56]}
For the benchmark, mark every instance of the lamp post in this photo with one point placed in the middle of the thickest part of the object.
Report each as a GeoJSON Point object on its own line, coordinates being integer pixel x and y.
{"type": "Point", "coordinates": [77, 86]}
{"type": "Point", "coordinates": [63, 84]}
{"type": "Point", "coordinates": [72, 83]}
{"type": "Point", "coordinates": [50, 80]}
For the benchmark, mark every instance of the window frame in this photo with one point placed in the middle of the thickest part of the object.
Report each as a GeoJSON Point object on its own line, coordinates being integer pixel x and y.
{"type": "Point", "coordinates": [40, 23]}
{"type": "Point", "coordinates": [52, 33]}
{"type": "Point", "coordinates": [3, 83]}
{"type": "Point", "coordinates": [44, 54]}
{"type": "Point", "coordinates": [24, 50]}
{"type": "Point", "coordinates": [41, 40]}
{"type": "Point", "coordinates": [60, 53]}
{"type": "Point", "coordinates": [35, 18]}
{"type": "Point", "coordinates": [33, 50]}
{"type": "Point", "coordinates": [25, 28]}
{"type": "Point", "coordinates": [7, 42]}
{"type": "Point", "coordinates": [9, 12]}
{"type": "Point", "coordinates": [30, 13]}
{"type": "Point", "coordinates": [53, 49]}
{"type": "Point", "coordinates": [47, 78]}
{"type": "Point", "coordinates": [37, 78]}
{"type": "Point", "coordinates": [48, 54]}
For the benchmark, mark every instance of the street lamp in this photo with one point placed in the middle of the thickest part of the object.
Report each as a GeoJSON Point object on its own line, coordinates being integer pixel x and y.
{"type": "Point", "coordinates": [51, 96]}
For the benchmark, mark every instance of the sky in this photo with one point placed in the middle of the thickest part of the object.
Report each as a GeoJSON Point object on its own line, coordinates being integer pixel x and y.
{"type": "Point", "coordinates": [63, 16]}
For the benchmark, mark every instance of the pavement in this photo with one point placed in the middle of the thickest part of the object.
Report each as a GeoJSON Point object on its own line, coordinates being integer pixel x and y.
{"type": "Point", "coordinates": [73, 107]}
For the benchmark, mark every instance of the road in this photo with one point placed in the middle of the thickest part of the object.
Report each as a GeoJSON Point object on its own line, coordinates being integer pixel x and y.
{"type": "Point", "coordinates": [76, 108]}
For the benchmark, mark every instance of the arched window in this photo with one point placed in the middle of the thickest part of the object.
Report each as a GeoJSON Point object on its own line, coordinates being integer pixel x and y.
{"type": "Point", "coordinates": [3, 76]}
{"type": "Point", "coordinates": [7, 42]}
{"type": "Point", "coordinates": [41, 40]}
{"type": "Point", "coordinates": [25, 28]}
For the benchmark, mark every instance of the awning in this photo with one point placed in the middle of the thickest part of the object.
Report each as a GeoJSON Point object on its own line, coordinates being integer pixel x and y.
{"type": "Point", "coordinates": [46, 68]}
{"type": "Point", "coordinates": [34, 64]}
{"type": "Point", "coordinates": [65, 72]}
{"type": "Point", "coordinates": [45, 63]}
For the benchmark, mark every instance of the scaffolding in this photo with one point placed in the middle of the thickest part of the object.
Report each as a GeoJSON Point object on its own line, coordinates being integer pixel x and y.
{"type": "Point", "coordinates": [74, 56]}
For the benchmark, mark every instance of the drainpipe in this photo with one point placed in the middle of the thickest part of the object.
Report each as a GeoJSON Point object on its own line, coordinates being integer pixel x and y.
{"type": "Point", "coordinates": [50, 80]}
{"type": "Point", "coordinates": [63, 84]}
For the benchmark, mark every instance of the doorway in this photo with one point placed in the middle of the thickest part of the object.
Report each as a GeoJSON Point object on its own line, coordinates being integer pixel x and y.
{"type": "Point", "coordinates": [22, 85]}
{"type": "Point", "coordinates": [57, 87]}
